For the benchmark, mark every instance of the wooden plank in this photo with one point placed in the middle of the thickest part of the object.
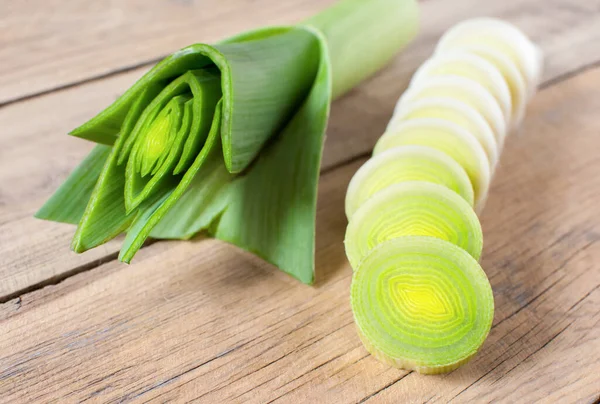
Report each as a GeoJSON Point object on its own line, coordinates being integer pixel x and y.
{"type": "Point", "coordinates": [35, 157]}
{"type": "Point", "coordinates": [204, 320]}
{"type": "Point", "coordinates": [34, 253]}
{"type": "Point", "coordinates": [48, 44]}
{"type": "Point", "coordinates": [40, 52]}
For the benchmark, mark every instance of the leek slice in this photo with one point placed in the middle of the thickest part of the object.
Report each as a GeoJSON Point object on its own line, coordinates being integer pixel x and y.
{"type": "Point", "coordinates": [421, 303]}
{"type": "Point", "coordinates": [228, 138]}
{"type": "Point", "coordinates": [406, 163]}
{"type": "Point", "coordinates": [497, 34]}
{"type": "Point", "coordinates": [454, 111]}
{"type": "Point", "coordinates": [512, 76]}
{"type": "Point", "coordinates": [462, 89]}
{"type": "Point", "coordinates": [414, 208]}
{"type": "Point", "coordinates": [448, 138]}
{"type": "Point", "coordinates": [464, 64]}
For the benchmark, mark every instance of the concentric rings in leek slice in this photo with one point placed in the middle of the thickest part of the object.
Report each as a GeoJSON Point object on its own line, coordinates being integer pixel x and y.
{"type": "Point", "coordinates": [449, 138]}
{"type": "Point", "coordinates": [500, 35]}
{"type": "Point", "coordinates": [414, 208]}
{"type": "Point", "coordinates": [462, 89]}
{"type": "Point", "coordinates": [465, 64]}
{"type": "Point", "coordinates": [406, 163]}
{"type": "Point", "coordinates": [455, 111]}
{"type": "Point", "coordinates": [512, 76]}
{"type": "Point", "coordinates": [421, 303]}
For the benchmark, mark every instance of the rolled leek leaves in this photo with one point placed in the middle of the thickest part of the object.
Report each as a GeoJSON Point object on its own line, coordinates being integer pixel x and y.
{"type": "Point", "coordinates": [228, 138]}
{"type": "Point", "coordinates": [419, 297]}
{"type": "Point", "coordinates": [421, 303]}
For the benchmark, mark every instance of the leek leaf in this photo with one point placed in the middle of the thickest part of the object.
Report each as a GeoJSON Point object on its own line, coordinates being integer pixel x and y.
{"type": "Point", "coordinates": [69, 201]}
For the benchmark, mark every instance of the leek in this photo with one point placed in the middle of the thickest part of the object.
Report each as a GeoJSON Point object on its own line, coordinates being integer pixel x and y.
{"type": "Point", "coordinates": [421, 303]}
{"type": "Point", "coordinates": [419, 297]}
{"type": "Point", "coordinates": [228, 138]}
{"type": "Point", "coordinates": [461, 89]}
{"type": "Point", "coordinates": [466, 64]}
{"type": "Point", "coordinates": [413, 208]}
{"type": "Point", "coordinates": [501, 36]}
{"type": "Point", "coordinates": [408, 163]}
{"type": "Point", "coordinates": [454, 111]}
{"type": "Point", "coordinates": [449, 138]}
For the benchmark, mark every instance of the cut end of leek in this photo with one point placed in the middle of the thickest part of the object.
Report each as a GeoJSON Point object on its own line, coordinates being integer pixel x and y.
{"type": "Point", "coordinates": [412, 208]}
{"type": "Point", "coordinates": [421, 303]}
{"type": "Point", "coordinates": [406, 163]}
{"type": "Point", "coordinates": [448, 138]}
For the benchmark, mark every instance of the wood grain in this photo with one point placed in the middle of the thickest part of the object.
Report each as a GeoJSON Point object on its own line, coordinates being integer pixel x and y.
{"type": "Point", "coordinates": [204, 321]}
{"type": "Point", "coordinates": [36, 156]}
{"type": "Point", "coordinates": [55, 43]}
{"type": "Point", "coordinates": [37, 36]}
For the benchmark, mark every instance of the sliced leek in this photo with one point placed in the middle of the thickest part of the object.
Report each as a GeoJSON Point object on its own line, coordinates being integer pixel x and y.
{"type": "Point", "coordinates": [406, 163]}
{"type": "Point", "coordinates": [454, 111]}
{"type": "Point", "coordinates": [413, 208]}
{"type": "Point", "coordinates": [463, 89]}
{"type": "Point", "coordinates": [449, 138]}
{"type": "Point", "coordinates": [465, 64]}
{"type": "Point", "coordinates": [421, 303]}
{"type": "Point", "coordinates": [419, 297]}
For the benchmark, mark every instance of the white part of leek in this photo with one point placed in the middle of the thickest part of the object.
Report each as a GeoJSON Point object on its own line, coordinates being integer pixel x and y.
{"type": "Point", "coordinates": [510, 71]}
{"type": "Point", "coordinates": [403, 164]}
{"type": "Point", "coordinates": [471, 66]}
{"type": "Point", "coordinates": [456, 111]}
{"type": "Point", "coordinates": [462, 89]}
{"type": "Point", "coordinates": [500, 35]}
{"type": "Point", "coordinates": [449, 138]}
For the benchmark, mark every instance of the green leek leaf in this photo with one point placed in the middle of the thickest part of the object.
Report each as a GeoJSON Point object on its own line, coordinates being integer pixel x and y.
{"type": "Point", "coordinates": [68, 203]}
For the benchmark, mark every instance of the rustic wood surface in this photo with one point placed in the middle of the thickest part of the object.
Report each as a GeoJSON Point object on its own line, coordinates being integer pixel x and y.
{"type": "Point", "coordinates": [202, 320]}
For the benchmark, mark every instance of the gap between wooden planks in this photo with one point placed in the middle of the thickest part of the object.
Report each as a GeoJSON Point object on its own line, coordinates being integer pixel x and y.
{"type": "Point", "coordinates": [36, 156]}
{"type": "Point", "coordinates": [52, 44]}
{"type": "Point", "coordinates": [42, 53]}
{"type": "Point", "coordinates": [204, 320]}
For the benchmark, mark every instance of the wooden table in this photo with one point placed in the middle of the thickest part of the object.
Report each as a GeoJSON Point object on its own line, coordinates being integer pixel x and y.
{"type": "Point", "coordinates": [203, 320]}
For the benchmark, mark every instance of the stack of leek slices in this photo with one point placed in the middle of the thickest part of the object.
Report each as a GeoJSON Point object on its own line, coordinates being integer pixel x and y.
{"type": "Point", "coordinates": [420, 299]}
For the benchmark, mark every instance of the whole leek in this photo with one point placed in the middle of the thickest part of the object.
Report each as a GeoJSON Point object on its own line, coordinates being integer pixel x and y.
{"type": "Point", "coordinates": [228, 138]}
